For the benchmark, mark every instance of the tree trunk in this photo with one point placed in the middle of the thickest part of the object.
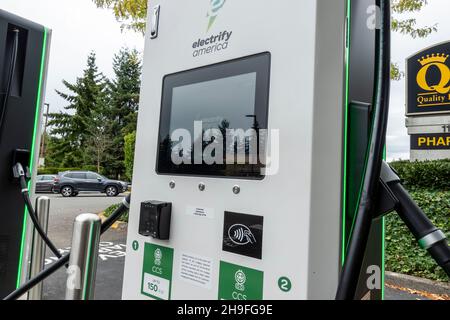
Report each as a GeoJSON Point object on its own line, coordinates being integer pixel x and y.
{"type": "Point", "coordinates": [98, 162]}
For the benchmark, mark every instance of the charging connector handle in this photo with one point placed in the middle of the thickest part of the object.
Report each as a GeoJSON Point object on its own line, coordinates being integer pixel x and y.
{"type": "Point", "coordinates": [429, 237]}
{"type": "Point", "coordinates": [19, 173]}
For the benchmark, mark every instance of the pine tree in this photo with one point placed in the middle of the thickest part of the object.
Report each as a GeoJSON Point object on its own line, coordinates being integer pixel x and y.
{"type": "Point", "coordinates": [99, 138]}
{"type": "Point", "coordinates": [124, 103]}
{"type": "Point", "coordinates": [70, 129]}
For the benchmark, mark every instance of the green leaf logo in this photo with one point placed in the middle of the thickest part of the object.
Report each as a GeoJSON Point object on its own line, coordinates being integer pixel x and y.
{"type": "Point", "coordinates": [215, 6]}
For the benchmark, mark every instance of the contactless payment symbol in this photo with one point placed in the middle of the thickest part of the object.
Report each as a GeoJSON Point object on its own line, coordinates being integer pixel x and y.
{"type": "Point", "coordinates": [242, 234]}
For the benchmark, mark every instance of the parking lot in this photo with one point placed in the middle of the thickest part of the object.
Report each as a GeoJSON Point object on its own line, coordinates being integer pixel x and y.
{"type": "Point", "coordinates": [112, 248]}
{"type": "Point", "coordinates": [63, 212]}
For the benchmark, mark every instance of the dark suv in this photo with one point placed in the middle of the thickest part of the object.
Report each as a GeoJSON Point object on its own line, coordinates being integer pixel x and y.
{"type": "Point", "coordinates": [70, 183]}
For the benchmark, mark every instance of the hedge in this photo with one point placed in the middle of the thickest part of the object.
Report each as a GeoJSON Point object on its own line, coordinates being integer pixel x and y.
{"type": "Point", "coordinates": [428, 175]}
{"type": "Point", "coordinates": [403, 254]}
{"type": "Point", "coordinates": [130, 141]}
{"type": "Point", "coordinates": [112, 208]}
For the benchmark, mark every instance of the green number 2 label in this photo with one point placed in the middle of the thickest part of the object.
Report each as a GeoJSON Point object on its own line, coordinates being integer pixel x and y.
{"type": "Point", "coordinates": [284, 284]}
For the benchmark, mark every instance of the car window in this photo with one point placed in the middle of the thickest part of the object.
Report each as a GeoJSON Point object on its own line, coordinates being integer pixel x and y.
{"type": "Point", "coordinates": [92, 176]}
{"type": "Point", "coordinates": [39, 178]}
{"type": "Point", "coordinates": [76, 175]}
{"type": "Point", "coordinates": [47, 178]}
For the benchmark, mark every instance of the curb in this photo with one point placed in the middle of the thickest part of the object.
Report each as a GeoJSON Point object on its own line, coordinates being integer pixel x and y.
{"type": "Point", "coordinates": [118, 225]}
{"type": "Point", "coordinates": [402, 280]}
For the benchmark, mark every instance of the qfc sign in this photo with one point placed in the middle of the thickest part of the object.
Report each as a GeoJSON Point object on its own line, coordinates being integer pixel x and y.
{"type": "Point", "coordinates": [428, 81]}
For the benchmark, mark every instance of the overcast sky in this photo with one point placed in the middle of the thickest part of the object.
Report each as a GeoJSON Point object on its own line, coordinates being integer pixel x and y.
{"type": "Point", "coordinates": [79, 27]}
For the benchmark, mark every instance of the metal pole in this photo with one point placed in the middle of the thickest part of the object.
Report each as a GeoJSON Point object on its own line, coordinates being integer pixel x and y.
{"type": "Point", "coordinates": [42, 153]}
{"type": "Point", "coordinates": [83, 257]}
{"type": "Point", "coordinates": [38, 248]}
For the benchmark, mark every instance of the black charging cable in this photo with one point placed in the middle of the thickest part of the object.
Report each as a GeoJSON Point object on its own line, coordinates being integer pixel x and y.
{"type": "Point", "coordinates": [19, 173]}
{"type": "Point", "coordinates": [429, 237]}
{"type": "Point", "coordinates": [10, 77]}
{"type": "Point", "coordinates": [348, 281]}
{"type": "Point", "coordinates": [44, 274]}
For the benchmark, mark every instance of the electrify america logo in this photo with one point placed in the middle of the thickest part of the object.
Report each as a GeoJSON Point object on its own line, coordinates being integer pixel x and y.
{"type": "Point", "coordinates": [213, 12]}
{"type": "Point", "coordinates": [211, 44]}
{"type": "Point", "coordinates": [216, 42]}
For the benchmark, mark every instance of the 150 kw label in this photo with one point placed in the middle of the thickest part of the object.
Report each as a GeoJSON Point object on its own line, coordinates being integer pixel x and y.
{"type": "Point", "coordinates": [157, 272]}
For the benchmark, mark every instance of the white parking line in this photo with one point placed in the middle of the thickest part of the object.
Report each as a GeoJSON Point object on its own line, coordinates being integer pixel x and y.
{"type": "Point", "coordinates": [107, 250]}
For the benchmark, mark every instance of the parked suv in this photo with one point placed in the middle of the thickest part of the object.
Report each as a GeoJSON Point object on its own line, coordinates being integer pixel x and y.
{"type": "Point", "coordinates": [70, 183]}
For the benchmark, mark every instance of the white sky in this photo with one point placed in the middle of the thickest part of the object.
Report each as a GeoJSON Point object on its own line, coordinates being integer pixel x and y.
{"type": "Point", "coordinates": [79, 27]}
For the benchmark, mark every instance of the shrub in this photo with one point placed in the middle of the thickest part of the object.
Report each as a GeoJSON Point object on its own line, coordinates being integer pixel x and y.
{"type": "Point", "coordinates": [429, 175]}
{"type": "Point", "coordinates": [130, 141]}
{"type": "Point", "coordinates": [112, 208]}
{"type": "Point", "coordinates": [403, 254]}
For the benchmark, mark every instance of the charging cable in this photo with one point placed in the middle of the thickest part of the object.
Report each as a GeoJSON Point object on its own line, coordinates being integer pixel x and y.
{"type": "Point", "coordinates": [44, 274]}
{"type": "Point", "coordinates": [19, 173]}
{"type": "Point", "coordinates": [348, 281]}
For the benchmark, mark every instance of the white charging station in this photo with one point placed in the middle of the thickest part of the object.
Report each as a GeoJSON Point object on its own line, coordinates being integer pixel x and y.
{"type": "Point", "coordinates": [239, 231]}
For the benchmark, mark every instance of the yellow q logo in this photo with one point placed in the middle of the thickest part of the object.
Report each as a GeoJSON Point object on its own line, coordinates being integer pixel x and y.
{"type": "Point", "coordinates": [438, 61]}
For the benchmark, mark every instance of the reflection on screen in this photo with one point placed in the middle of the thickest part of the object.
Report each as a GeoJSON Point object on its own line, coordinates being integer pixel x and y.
{"type": "Point", "coordinates": [226, 103]}
{"type": "Point", "coordinates": [214, 119]}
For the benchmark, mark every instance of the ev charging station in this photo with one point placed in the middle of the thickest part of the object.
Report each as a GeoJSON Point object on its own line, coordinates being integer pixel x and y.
{"type": "Point", "coordinates": [258, 167]}
{"type": "Point", "coordinates": [24, 48]}
{"type": "Point", "coordinates": [303, 71]}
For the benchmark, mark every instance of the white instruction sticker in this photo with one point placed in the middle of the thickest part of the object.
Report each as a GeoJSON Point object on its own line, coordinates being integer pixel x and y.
{"type": "Point", "coordinates": [200, 212]}
{"type": "Point", "coordinates": [196, 270]}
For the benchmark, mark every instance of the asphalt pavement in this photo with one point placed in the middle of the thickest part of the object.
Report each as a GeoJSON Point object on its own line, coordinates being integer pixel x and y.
{"type": "Point", "coordinates": [112, 249]}
{"type": "Point", "coordinates": [63, 212]}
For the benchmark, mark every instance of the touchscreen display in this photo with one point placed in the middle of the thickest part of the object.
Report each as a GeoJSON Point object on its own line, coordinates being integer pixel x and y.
{"type": "Point", "coordinates": [212, 118]}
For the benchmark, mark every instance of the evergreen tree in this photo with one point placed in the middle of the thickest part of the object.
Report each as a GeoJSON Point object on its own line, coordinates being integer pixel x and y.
{"type": "Point", "coordinates": [130, 142]}
{"type": "Point", "coordinates": [70, 129]}
{"type": "Point", "coordinates": [53, 157]}
{"type": "Point", "coordinates": [99, 135]}
{"type": "Point", "coordinates": [123, 107]}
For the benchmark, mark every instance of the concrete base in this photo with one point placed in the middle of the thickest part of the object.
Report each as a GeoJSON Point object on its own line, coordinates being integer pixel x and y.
{"type": "Point", "coordinates": [405, 281]}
